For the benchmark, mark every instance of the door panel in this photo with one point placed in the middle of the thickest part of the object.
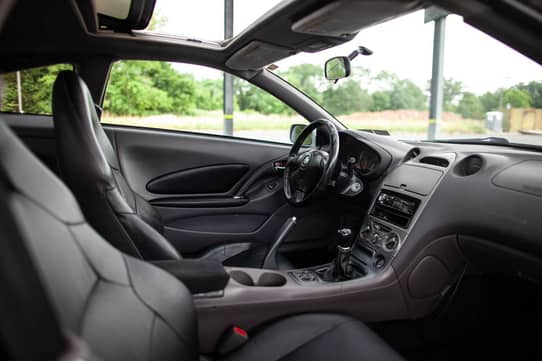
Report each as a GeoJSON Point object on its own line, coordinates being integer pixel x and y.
{"type": "Point", "coordinates": [218, 190]}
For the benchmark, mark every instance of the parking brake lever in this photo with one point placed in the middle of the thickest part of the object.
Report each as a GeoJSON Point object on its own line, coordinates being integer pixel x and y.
{"type": "Point", "coordinates": [270, 260]}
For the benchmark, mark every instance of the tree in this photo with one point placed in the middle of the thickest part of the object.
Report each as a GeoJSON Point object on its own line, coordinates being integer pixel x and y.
{"type": "Point", "coordinates": [406, 95]}
{"type": "Point", "coordinates": [470, 106]}
{"type": "Point", "coordinates": [452, 92]}
{"type": "Point", "coordinates": [250, 97]}
{"type": "Point", "coordinates": [209, 94]}
{"type": "Point", "coordinates": [381, 101]}
{"type": "Point", "coordinates": [346, 97]}
{"type": "Point", "coordinates": [309, 78]}
{"type": "Point", "coordinates": [491, 101]}
{"type": "Point", "coordinates": [517, 98]}
{"type": "Point", "coordinates": [534, 89]}
{"type": "Point", "coordinates": [149, 87]}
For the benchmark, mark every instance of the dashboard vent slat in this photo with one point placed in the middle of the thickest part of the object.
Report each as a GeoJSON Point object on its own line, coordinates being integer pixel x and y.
{"type": "Point", "coordinates": [437, 161]}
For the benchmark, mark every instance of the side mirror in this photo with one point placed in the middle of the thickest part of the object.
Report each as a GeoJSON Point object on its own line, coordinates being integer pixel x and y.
{"type": "Point", "coordinates": [337, 68]}
{"type": "Point", "coordinates": [295, 132]}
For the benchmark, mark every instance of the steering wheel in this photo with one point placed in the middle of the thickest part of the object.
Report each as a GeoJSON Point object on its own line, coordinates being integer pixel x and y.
{"type": "Point", "coordinates": [307, 173]}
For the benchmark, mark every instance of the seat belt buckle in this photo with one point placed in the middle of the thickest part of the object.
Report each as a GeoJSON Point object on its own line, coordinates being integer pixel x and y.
{"type": "Point", "coordinates": [232, 339]}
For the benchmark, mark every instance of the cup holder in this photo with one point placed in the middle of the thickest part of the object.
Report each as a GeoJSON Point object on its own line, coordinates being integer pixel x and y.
{"type": "Point", "coordinates": [266, 279]}
{"type": "Point", "coordinates": [242, 278]}
{"type": "Point", "coordinates": [269, 279]}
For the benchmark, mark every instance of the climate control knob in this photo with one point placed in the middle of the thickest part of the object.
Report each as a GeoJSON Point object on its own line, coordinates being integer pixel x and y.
{"type": "Point", "coordinates": [392, 242]}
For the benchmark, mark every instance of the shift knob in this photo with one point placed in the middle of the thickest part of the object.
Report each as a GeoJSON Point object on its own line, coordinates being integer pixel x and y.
{"type": "Point", "coordinates": [345, 237]}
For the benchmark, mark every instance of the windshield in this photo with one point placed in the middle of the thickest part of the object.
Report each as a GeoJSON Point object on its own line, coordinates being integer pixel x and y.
{"type": "Point", "coordinates": [489, 90]}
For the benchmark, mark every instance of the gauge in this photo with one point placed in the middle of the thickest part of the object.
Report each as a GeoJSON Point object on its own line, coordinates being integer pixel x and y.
{"type": "Point", "coordinates": [367, 162]}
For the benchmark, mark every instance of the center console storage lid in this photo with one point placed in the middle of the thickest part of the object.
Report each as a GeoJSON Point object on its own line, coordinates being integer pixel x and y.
{"type": "Point", "coordinates": [199, 276]}
{"type": "Point", "coordinates": [412, 178]}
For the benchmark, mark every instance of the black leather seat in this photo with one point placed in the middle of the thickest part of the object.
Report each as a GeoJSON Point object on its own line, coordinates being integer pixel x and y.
{"type": "Point", "coordinates": [89, 165]}
{"type": "Point", "coordinates": [126, 309]}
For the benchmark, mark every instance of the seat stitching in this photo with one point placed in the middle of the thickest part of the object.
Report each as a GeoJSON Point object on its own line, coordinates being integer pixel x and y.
{"type": "Point", "coordinates": [90, 264]}
{"type": "Point", "coordinates": [86, 305]}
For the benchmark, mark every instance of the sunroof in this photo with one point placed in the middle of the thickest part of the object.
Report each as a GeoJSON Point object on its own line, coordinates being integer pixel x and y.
{"type": "Point", "coordinates": [204, 19]}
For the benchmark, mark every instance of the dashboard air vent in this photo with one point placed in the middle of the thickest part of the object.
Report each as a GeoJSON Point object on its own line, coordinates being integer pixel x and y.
{"type": "Point", "coordinates": [439, 162]}
{"type": "Point", "coordinates": [413, 153]}
{"type": "Point", "coordinates": [469, 165]}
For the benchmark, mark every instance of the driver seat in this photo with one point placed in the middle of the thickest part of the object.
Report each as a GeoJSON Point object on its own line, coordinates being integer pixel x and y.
{"type": "Point", "coordinates": [89, 165]}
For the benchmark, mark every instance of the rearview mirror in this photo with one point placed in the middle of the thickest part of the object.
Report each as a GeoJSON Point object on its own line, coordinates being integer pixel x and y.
{"type": "Point", "coordinates": [295, 132]}
{"type": "Point", "coordinates": [124, 15]}
{"type": "Point", "coordinates": [337, 68]}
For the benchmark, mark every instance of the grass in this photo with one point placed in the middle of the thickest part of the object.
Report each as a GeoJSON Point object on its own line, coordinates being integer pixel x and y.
{"type": "Point", "coordinates": [397, 122]}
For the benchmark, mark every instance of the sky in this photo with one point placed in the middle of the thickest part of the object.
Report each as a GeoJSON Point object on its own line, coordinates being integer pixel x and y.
{"type": "Point", "coordinates": [402, 46]}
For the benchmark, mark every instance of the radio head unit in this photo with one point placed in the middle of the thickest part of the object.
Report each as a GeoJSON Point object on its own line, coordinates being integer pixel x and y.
{"type": "Point", "coordinates": [395, 208]}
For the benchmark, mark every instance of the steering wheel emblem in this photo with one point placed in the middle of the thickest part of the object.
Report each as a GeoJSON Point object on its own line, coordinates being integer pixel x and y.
{"type": "Point", "coordinates": [306, 160]}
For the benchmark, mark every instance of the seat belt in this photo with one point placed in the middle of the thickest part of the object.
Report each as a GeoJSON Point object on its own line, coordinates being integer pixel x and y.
{"type": "Point", "coordinates": [28, 325]}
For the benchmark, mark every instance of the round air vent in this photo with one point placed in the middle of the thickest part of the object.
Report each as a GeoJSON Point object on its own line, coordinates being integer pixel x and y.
{"type": "Point", "coordinates": [469, 166]}
{"type": "Point", "coordinates": [413, 153]}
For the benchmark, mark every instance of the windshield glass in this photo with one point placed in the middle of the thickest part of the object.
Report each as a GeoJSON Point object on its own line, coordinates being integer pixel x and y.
{"type": "Point", "coordinates": [489, 89]}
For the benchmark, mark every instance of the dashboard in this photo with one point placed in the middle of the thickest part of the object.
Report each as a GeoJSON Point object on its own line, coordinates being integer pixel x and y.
{"type": "Point", "coordinates": [483, 200]}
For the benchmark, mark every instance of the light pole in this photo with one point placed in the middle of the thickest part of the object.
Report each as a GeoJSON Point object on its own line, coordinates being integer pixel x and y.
{"type": "Point", "coordinates": [228, 78]}
{"type": "Point", "coordinates": [437, 80]}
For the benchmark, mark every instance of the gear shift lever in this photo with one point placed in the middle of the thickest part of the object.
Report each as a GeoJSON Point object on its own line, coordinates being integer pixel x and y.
{"type": "Point", "coordinates": [342, 262]}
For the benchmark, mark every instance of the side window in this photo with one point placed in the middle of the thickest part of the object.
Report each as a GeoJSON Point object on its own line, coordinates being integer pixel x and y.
{"type": "Point", "coordinates": [30, 90]}
{"type": "Point", "coordinates": [184, 97]}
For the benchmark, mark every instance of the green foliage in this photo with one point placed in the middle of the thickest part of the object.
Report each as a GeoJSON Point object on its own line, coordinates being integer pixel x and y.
{"type": "Point", "coordinates": [534, 89]}
{"type": "Point", "coordinates": [346, 98]}
{"type": "Point", "coordinates": [252, 98]}
{"type": "Point", "coordinates": [452, 91]}
{"type": "Point", "coordinates": [149, 87]}
{"type": "Point", "coordinates": [209, 94]}
{"type": "Point", "coordinates": [309, 78]}
{"type": "Point", "coordinates": [470, 106]}
{"type": "Point", "coordinates": [138, 88]}
{"type": "Point", "coordinates": [36, 89]}
{"type": "Point", "coordinates": [381, 101]}
{"type": "Point", "coordinates": [490, 101]}
{"type": "Point", "coordinates": [407, 95]}
{"type": "Point", "coordinates": [517, 98]}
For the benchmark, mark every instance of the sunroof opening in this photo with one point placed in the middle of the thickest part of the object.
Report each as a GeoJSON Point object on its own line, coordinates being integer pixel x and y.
{"type": "Point", "coordinates": [204, 19]}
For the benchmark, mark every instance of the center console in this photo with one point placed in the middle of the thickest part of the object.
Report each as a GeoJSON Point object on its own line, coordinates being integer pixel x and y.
{"type": "Point", "coordinates": [379, 240]}
{"type": "Point", "coordinates": [384, 230]}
